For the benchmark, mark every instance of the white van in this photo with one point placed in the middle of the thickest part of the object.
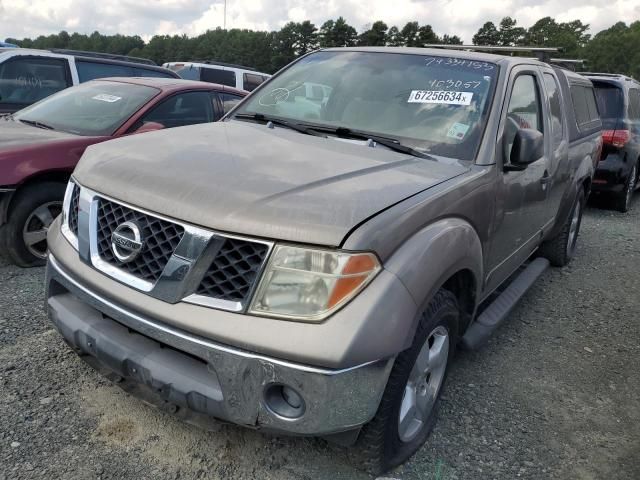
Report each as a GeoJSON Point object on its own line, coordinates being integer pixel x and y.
{"type": "Point", "coordinates": [237, 76]}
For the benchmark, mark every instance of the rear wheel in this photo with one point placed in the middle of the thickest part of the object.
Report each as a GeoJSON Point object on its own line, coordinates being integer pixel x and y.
{"type": "Point", "coordinates": [409, 405]}
{"type": "Point", "coordinates": [561, 249]}
{"type": "Point", "coordinates": [623, 199]}
{"type": "Point", "coordinates": [31, 213]}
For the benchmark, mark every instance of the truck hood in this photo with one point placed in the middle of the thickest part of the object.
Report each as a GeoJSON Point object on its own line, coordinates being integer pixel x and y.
{"type": "Point", "coordinates": [246, 178]}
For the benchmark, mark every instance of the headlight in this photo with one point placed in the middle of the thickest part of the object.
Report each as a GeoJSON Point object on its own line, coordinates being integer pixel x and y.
{"type": "Point", "coordinates": [308, 284]}
{"type": "Point", "coordinates": [66, 212]}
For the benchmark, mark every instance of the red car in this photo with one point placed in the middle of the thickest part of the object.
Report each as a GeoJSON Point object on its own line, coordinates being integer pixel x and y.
{"type": "Point", "coordinates": [41, 144]}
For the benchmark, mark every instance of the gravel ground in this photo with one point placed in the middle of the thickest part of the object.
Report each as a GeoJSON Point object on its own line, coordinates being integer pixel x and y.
{"type": "Point", "coordinates": [553, 395]}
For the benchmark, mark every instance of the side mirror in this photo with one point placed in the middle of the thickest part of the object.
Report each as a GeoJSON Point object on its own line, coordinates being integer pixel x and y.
{"type": "Point", "coordinates": [149, 127]}
{"type": "Point", "coordinates": [528, 146]}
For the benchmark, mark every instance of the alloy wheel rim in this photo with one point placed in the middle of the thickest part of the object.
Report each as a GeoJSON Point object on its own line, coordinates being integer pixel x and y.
{"type": "Point", "coordinates": [34, 231]}
{"type": "Point", "coordinates": [423, 385]}
{"type": "Point", "coordinates": [573, 228]}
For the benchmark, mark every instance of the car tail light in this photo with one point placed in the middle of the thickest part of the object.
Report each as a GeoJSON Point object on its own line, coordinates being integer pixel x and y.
{"type": "Point", "coordinates": [616, 138]}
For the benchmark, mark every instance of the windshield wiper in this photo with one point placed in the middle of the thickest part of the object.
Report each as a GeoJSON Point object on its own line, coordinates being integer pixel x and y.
{"type": "Point", "coordinates": [35, 123]}
{"type": "Point", "coordinates": [260, 117]}
{"type": "Point", "coordinates": [389, 142]}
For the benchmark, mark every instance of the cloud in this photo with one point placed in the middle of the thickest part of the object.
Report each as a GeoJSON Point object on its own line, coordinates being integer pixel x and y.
{"type": "Point", "coordinates": [30, 18]}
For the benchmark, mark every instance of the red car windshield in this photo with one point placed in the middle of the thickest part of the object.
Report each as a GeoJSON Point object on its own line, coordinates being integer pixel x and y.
{"type": "Point", "coordinates": [92, 109]}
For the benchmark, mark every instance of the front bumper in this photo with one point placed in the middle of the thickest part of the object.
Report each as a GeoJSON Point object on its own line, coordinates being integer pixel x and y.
{"type": "Point", "coordinates": [200, 379]}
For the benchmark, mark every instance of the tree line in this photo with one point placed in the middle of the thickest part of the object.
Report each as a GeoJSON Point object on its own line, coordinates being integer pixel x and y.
{"type": "Point", "coordinates": [614, 50]}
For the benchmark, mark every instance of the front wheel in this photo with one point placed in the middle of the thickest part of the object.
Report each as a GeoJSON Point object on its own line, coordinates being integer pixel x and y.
{"type": "Point", "coordinates": [31, 213]}
{"type": "Point", "coordinates": [560, 249]}
{"type": "Point", "coordinates": [409, 405]}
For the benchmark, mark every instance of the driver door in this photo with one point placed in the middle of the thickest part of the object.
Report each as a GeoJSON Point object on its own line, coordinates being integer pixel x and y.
{"type": "Point", "coordinates": [522, 194]}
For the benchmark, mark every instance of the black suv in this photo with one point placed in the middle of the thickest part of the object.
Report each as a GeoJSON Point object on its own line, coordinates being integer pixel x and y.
{"type": "Point", "coordinates": [617, 173]}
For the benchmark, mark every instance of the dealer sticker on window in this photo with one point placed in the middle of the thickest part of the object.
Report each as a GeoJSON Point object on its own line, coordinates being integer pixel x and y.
{"type": "Point", "coordinates": [440, 96]}
{"type": "Point", "coordinates": [105, 97]}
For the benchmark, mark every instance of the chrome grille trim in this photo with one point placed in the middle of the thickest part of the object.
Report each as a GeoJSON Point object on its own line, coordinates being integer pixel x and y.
{"type": "Point", "coordinates": [186, 267]}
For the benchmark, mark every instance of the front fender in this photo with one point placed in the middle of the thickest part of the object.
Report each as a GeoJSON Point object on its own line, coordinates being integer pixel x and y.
{"type": "Point", "coordinates": [432, 256]}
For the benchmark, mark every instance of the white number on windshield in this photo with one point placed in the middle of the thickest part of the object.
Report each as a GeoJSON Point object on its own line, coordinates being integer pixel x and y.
{"type": "Point", "coordinates": [440, 96]}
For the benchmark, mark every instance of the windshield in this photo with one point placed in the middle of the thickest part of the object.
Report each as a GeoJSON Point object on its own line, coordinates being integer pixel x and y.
{"type": "Point", "coordinates": [434, 104]}
{"type": "Point", "coordinates": [91, 109]}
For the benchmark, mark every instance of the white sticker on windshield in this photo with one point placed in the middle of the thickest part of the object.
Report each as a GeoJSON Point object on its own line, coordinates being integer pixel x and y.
{"type": "Point", "coordinates": [440, 96]}
{"type": "Point", "coordinates": [105, 97]}
{"type": "Point", "coordinates": [458, 131]}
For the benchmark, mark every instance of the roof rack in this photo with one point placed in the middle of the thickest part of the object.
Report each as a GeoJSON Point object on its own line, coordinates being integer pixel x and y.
{"type": "Point", "coordinates": [611, 75]}
{"type": "Point", "coordinates": [106, 56]}
{"type": "Point", "coordinates": [222, 64]}
{"type": "Point", "coordinates": [541, 53]}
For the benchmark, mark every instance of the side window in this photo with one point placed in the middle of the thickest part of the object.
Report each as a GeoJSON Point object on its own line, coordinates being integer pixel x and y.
{"type": "Point", "coordinates": [634, 104]}
{"type": "Point", "coordinates": [188, 72]}
{"type": "Point", "coordinates": [229, 101]}
{"type": "Point", "coordinates": [25, 80]}
{"type": "Point", "coordinates": [252, 81]}
{"type": "Point", "coordinates": [147, 72]}
{"type": "Point", "coordinates": [557, 125]}
{"type": "Point", "coordinates": [88, 70]}
{"type": "Point", "coordinates": [524, 109]}
{"type": "Point", "coordinates": [179, 110]}
{"type": "Point", "coordinates": [217, 75]}
{"type": "Point", "coordinates": [590, 98]}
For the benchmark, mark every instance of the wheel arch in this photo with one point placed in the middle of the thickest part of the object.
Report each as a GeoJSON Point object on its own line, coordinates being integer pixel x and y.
{"type": "Point", "coordinates": [58, 176]}
{"type": "Point", "coordinates": [445, 254]}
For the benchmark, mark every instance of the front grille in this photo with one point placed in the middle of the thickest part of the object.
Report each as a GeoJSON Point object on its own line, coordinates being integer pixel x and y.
{"type": "Point", "coordinates": [160, 239]}
{"type": "Point", "coordinates": [73, 209]}
{"type": "Point", "coordinates": [233, 270]}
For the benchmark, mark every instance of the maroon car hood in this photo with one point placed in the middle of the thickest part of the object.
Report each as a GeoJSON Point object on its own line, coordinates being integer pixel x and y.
{"type": "Point", "coordinates": [26, 151]}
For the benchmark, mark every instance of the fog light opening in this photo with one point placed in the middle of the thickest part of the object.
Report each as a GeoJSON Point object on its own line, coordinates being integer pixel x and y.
{"type": "Point", "coordinates": [284, 401]}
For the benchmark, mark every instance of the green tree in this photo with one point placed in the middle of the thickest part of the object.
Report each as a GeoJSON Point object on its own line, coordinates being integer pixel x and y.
{"type": "Point", "coordinates": [394, 39]}
{"type": "Point", "coordinates": [376, 36]}
{"type": "Point", "coordinates": [487, 34]}
{"type": "Point", "coordinates": [509, 34]}
{"type": "Point", "coordinates": [337, 34]}
{"type": "Point", "coordinates": [409, 34]}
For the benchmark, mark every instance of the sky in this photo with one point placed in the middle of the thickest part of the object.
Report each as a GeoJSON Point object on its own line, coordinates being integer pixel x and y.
{"type": "Point", "coordinates": [30, 18]}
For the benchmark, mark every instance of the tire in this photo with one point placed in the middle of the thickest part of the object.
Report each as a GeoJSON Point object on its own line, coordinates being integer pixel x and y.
{"type": "Point", "coordinates": [30, 215]}
{"type": "Point", "coordinates": [561, 249]}
{"type": "Point", "coordinates": [623, 199]}
{"type": "Point", "coordinates": [383, 443]}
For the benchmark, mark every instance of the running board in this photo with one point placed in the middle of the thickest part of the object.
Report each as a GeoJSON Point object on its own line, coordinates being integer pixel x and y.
{"type": "Point", "coordinates": [489, 320]}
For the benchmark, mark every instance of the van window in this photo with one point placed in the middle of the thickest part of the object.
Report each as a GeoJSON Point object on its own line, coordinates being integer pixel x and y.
{"type": "Point", "coordinates": [88, 70]}
{"type": "Point", "coordinates": [25, 80]}
{"type": "Point", "coordinates": [252, 81]}
{"type": "Point", "coordinates": [216, 75]}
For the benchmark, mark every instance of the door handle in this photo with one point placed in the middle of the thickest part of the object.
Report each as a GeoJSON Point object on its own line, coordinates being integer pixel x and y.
{"type": "Point", "coordinates": [546, 178]}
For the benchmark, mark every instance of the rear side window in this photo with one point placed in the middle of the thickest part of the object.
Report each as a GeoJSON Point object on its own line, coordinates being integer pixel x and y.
{"type": "Point", "coordinates": [252, 81]}
{"type": "Point", "coordinates": [215, 75]}
{"type": "Point", "coordinates": [584, 104]}
{"type": "Point", "coordinates": [188, 73]}
{"type": "Point", "coordinates": [634, 104]}
{"type": "Point", "coordinates": [182, 109]}
{"type": "Point", "coordinates": [229, 101]}
{"type": "Point", "coordinates": [147, 72]}
{"type": "Point", "coordinates": [93, 70]}
{"type": "Point", "coordinates": [610, 103]}
{"type": "Point", "coordinates": [557, 125]}
{"type": "Point", "coordinates": [25, 80]}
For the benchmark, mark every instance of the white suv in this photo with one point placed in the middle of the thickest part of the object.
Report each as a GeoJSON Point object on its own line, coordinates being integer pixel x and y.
{"type": "Point", "coordinates": [236, 76]}
{"type": "Point", "coordinates": [27, 75]}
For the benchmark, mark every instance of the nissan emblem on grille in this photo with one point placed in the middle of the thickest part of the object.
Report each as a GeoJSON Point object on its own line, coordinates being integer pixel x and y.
{"type": "Point", "coordinates": [126, 241]}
